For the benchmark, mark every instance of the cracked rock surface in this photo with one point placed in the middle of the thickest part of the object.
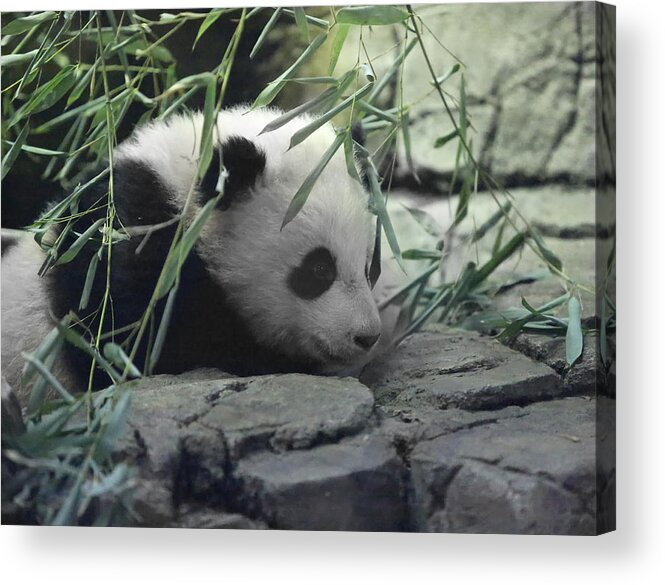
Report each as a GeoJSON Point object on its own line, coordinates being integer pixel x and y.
{"type": "Point", "coordinates": [533, 473]}
{"type": "Point", "coordinates": [446, 368]}
{"type": "Point", "coordinates": [453, 433]}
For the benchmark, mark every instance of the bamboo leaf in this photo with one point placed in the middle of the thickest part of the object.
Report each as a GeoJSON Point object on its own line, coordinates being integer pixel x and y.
{"type": "Point", "coordinates": [337, 44]}
{"type": "Point", "coordinates": [113, 425]}
{"type": "Point", "coordinates": [208, 21]}
{"type": "Point", "coordinates": [44, 349]}
{"type": "Point", "coordinates": [416, 254]}
{"type": "Point", "coordinates": [464, 198]}
{"type": "Point", "coordinates": [425, 221]}
{"type": "Point", "coordinates": [139, 49]}
{"type": "Point", "coordinates": [303, 133]}
{"type": "Point", "coordinates": [574, 337]}
{"type": "Point", "coordinates": [302, 109]}
{"type": "Point", "coordinates": [514, 328]}
{"type": "Point", "coordinates": [406, 137]}
{"type": "Point", "coordinates": [377, 112]}
{"type": "Point", "coordinates": [317, 22]}
{"type": "Point", "coordinates": [209, 118]}
{"type": "Point", "coordinates": [305, 189]}
{"type": "Point", "coordinates": [48, 94]}
{"type": "Point", "coordinates": [504, 317]}
{"type": "Point", "coordinates": [87, 109]}
{"type": "Point", "coordinates": [26, 23]}
{"type": "Point", "coordinates": [50, 379]}
{"type": "Point", "coordinates": [499, 257]}
{"type": "Point", "coordinates": [178, 255]}
{"type": "Point", "coordinates": [374, 271]}
{"type": "Point", "coordinates": [422, 277]}
{"type": "Point", "coordinates": [196, 80]}
{"type": "Point", "coordinates": [326, 80]}
{"type": "Point", "coordinates": [462, 123]}
{"type": "Point", "coordinates": [498, 241]}
{"type": "Point", "coordinates": [77, 341]}
{"type": "Point", "coordinates": [392, 71]}
{"type": "Point", "coordinates": [7, 61]}
{"type": "Point", "coordinates": [549, 256]}
{"type": "Point", "coordinates": [443, 140]}
{"type": "Point", "coordinates": [57, 210]}
{"type": "Point", "coordinates": [492, 221]}
{"type": "Point", "coordinates": [37, 150]}
{"type": "Point", "coordinates": [439, 80]}
{"type": "Point", "coordinates": [350, 156]}
{"type": "Point", "coordinates": [301, 21]}
{"type": "Point", "coordinates": [379, 205]}
{"type": "Point", "coordinates": [67, 515]}
{"type": "Point", "coordinates": [116, 355]}
{"type": "Point", "coordinates": [271, 91]}
{"type": "Point", "coordinates": [14, 150]}
{"type": "Point", "coordinates": [371, 15]}
{"type": "Point", "coordinates": [162, 330]}
{"type": "Point", "coordinates": [264, 33]}
{"type": "Point", "coordinates": [81, 241]}
{"type": "Point", "coordinates": [539, 314]}
{"type": "Point", "coordinates": [313, 104]}
{"type": "Point", "coordinates": [89, 279]}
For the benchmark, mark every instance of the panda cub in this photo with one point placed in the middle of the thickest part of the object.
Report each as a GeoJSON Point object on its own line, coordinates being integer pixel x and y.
{"type": "Point", "coordinates": [252, 298]}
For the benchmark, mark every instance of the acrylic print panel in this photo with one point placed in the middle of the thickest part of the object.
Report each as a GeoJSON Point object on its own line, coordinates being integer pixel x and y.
{"type": "Point", "coordinates": [322, 268]}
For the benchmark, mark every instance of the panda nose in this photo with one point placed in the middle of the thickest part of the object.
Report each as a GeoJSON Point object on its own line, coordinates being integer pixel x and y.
{"type": "Point", "coordinates": [366, 341]}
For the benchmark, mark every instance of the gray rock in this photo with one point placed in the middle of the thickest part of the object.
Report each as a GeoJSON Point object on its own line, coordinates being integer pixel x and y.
{"type": "Point", "coordinates": [185, 434]}
{"type": "Point", "coordinates": [152, 501]}
{"type": "Point", "coordinates": [201, 517]}
{"type": "Point", "coordinates": [161, 410]}
{"type": "Point", "coordinates": [310, 453]}
{"type": "Point", "coordinates": [587, 375]}
{"type": "Point", "coordinates": [528, 98]}
{"type": "Point", "coordinates": [159, 426]}
{"type": "Point", "coordinates": [353, 485]}
{"type": "Point", "coordinates": [484, 501]}
{"type": "Point", "coordinates": [291, 411]}
{"type": "Point", "coordinates": [534, 474]}
{"type": "Point", "coordinates": [409, 426]}
{"type": "Point", "coordinates": [452, 368]}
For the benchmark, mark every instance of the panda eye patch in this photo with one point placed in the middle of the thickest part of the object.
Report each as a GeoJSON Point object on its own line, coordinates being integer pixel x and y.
{"type": "Point", "coordinates": [314, 275]}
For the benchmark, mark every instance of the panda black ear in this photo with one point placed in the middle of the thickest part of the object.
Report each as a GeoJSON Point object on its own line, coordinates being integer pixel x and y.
{"type": "Point", "coordinates": [244, 162]}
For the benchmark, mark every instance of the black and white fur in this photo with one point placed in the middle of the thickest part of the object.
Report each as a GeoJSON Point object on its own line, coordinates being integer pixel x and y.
{"type": "Point", "coordinates": [253, 298]}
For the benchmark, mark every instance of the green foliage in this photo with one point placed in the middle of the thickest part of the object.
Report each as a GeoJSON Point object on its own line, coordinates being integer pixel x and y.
{"type": "Point", "coordinates": [59, 468]}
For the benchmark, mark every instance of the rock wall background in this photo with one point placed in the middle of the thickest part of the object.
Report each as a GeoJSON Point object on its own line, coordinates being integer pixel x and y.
{"type": "Point", "coordinates": [530, 72]}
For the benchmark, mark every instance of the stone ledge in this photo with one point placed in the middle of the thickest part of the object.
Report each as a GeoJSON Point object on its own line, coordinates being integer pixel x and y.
{"type": "Point", "coordinates": [311, 453]}
{"type": "Point", "coordinates": [533, 474]}
{"type": "Point", "coordinates": [353, 485]}
{"type": "Point", "coordinates": [448, 368]}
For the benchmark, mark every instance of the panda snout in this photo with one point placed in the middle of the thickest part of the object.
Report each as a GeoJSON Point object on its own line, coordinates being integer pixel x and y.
{"type": "Point", "coordinates": [366, 342]}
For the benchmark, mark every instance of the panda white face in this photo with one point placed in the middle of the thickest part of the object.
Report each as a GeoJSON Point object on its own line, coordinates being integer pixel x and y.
{"type": "Point", "coordinates": [335, 317]}
{"type": "Point", "coordinates": [303, 289]}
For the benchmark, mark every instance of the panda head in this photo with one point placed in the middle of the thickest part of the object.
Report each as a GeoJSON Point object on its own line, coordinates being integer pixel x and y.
{"type": "Point", "coordinates": [304, 289]}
